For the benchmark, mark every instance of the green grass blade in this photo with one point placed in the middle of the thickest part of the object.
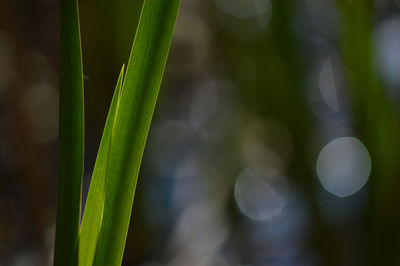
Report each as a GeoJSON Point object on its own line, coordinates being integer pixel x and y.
{"type": "Point", "coordinates": [71, 136]}
{"type": "Point", "coordinates": [93, 213]}
{"type": "Point", "coordinates": [140, 89]}
{"type": "Point", "coordinates": [378, 122]}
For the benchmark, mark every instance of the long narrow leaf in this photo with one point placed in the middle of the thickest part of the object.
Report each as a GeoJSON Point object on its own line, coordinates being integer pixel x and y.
{"type": "Point", "coordinates": [378, 124]}
{"type": "Point", "coordinates": [93, 213]}
{"type": "Point", "coordinates": [71, 136]}
{"type": "Point", "coordinates": [140, 89]}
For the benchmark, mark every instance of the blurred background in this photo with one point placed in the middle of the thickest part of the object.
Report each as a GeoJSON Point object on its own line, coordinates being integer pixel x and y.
{"type": "Point", "coordinates": [275, 139]}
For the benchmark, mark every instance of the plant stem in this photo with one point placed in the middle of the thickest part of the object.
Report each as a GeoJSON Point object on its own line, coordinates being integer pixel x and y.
{"type": "Point", "coordinates": [71, 136]}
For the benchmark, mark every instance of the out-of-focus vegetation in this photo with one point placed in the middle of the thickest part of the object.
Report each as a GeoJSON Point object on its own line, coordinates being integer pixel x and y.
{"type": "Point", "coordinates": [274, 140]}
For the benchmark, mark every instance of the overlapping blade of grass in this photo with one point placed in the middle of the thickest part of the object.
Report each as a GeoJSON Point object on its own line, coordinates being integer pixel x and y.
{"type": "Point", "coordinates": [136, 105]}
{"type": "Point", "coordinates": [377, 119]}
{"type": "Point", "coordinates": [71, 136]}
{"type": "Point", "coordinates": [379, 127]}
{"type": "Point", "coordinates": [93, 213]}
